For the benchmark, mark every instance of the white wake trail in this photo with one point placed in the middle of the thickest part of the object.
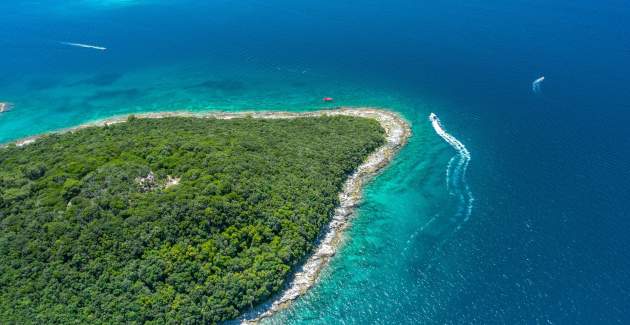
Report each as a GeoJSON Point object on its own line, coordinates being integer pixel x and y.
{"type": "Point", "coordinates": [456, 171]}
{"type": "Point", "coordinates": [448, 174]}
{"type": "Point", "coordinates": [87, 46]}
{"type": "Point", "coordinates": [537, 85]}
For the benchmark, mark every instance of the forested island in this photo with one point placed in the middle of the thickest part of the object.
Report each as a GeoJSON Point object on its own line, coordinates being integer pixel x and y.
{"type": "Point", "coordinates": [177, 219]}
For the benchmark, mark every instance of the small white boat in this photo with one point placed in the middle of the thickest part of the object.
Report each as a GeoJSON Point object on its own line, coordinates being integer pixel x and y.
{"type": "Point", "coordinates": [4, 107]}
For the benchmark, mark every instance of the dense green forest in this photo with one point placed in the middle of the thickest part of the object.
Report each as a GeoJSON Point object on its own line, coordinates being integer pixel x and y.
{"type": "Point", "coordinates": [173, 220]}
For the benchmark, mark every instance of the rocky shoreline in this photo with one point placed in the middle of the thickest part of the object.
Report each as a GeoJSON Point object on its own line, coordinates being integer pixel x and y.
{"type": "Point", "coordinates": [397, 132]}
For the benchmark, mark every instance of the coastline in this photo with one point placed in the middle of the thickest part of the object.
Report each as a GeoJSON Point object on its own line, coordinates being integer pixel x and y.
{"type": "Point", "coordinates": [397, 132]}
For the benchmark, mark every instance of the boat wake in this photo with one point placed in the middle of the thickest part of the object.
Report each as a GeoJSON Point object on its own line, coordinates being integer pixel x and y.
{"type": "Point", "coordinates": [537, 85]}
{"type": "Point", "coordinates": [456, 173]}
{"type": "Point", "coordinates": [87, 46]}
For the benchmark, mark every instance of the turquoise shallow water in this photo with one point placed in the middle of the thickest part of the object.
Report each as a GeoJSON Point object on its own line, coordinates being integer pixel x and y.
{"type": "Point", "coordinates": [547, 238]}
{"type": "Point", "coordinates": [402, 233]}
{"type": "Point", "coordinates": [66, 100]}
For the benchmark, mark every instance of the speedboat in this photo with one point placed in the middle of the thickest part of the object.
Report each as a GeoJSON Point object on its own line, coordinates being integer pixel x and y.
{"type": "Point", "coordinates": [4, 107]}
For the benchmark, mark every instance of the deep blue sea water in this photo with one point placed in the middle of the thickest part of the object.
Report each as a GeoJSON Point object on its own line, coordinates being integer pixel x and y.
{"type": "Point", "coordinates": [547, 241]}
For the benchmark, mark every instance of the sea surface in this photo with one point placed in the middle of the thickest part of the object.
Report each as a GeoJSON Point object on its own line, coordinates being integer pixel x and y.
{"type": "Point", "coordinates": [547, 239]}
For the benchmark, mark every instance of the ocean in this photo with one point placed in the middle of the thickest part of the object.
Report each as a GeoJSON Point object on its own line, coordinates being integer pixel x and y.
{"type": "Point", "coordinates": [546, 239]}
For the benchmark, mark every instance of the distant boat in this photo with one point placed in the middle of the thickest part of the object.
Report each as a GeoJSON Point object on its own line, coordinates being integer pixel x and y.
{"type": "Point", "coordinates": [4, 107]}
{"type": "Point", "coordinates": [328, 99]}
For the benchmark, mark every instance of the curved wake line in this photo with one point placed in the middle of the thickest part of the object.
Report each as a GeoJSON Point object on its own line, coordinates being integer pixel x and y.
{"type": "Point", "coordinates": [456, 172]}
{"type": "Point", "coordinates": [537, 84]}
{"type": "Point", "coordinates": [448, 174]}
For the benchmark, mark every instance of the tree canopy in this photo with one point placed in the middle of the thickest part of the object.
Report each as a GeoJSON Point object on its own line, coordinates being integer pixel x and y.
{"type": "Point", "coordinates": [171, 220]}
